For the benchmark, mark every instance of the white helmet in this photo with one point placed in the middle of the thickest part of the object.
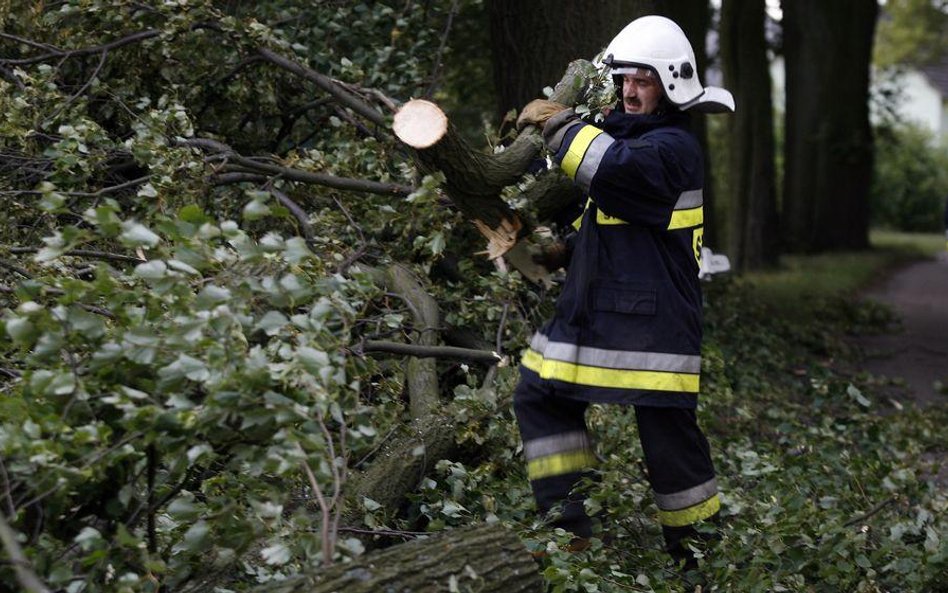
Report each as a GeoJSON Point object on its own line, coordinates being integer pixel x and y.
{"type": "Point", "coordinates": [659, 44]}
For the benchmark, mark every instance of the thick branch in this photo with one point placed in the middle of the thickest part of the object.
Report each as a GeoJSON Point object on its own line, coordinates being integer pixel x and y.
{"type": "Point", "coordinates": [442, 352]}
{"type": "Point", "coordinates": [474, 180]}
{"type": "Point", "coordinates": [421, 373]}
{"type": "Point", "coordinates": [248, 165]}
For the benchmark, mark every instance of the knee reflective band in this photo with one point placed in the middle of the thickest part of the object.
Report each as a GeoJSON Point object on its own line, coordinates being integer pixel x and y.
{"type": "Point", "coordinates": [599, 367]}
{"type": "Point", "coordinates": [688, 506]}
{"type": "Point", "coordinates": [558, 454]}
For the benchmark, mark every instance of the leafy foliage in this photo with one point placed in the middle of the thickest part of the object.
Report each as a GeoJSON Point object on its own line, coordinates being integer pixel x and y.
{"type": "Point", "coordinates": [910, 183]}
{"type": "Point", "coordinates": [182, 393]}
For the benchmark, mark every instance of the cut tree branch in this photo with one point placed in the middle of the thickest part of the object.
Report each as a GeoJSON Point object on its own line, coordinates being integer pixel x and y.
{"type": "Point", "coordinates": [473, 180]}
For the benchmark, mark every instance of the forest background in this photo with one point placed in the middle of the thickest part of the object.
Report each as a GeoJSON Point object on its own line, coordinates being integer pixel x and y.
{"type": "Point", "coordinates": [251, 341]}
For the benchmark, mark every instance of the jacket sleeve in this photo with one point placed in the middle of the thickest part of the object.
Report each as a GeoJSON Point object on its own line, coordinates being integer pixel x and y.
{"type": "Point", "coordinates": [640, 181]}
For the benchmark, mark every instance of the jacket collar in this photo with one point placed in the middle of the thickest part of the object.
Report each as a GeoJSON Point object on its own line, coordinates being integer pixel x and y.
{"type": "Point", "coordinates": [624, 125]}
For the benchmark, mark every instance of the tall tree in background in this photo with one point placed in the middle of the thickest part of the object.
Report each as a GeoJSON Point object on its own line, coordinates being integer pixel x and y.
{"type": "Point", "coordinates": [532, 41]}
{"type": "Point", "coordinates": [753, 238]}
{"type": "Point", "coordinates": [828, 152]}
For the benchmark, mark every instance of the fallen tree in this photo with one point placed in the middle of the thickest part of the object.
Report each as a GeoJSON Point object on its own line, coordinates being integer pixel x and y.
{"type": "Point", "coordinates": [484, 558]}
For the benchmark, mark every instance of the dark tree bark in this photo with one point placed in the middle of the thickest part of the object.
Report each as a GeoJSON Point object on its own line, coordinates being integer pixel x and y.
{"type": "Point", "coordinates": [533, 41]}
{"type": "Point", "coordinates": [694, 18]}
{"type": "Point", "coordinates": [829, 149]}
{"type": "Point", "coordinates": [753, 230]}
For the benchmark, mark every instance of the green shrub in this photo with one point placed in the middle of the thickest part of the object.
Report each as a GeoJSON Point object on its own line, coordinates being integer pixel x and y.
{"type": "Point", "coordinates": [910, 183]}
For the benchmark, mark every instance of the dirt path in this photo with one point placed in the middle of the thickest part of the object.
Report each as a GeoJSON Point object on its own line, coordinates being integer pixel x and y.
{"type": "Point", "coordinates": [917, 355]}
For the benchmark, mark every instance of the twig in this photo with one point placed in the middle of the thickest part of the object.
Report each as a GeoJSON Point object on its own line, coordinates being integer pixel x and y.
{"type": "Point", "coordinates": [30, 42]}
{"type": "Point", "coordinates": [81, 90]}
{"type": "Point", "coordinates": [82, 253]}
{"type": "Point", "coordinates": [11, 373]}
{"type": "Point", "coordinates": [299, 214]}
{"type": "Point", "coordinates": [390, 532]}
{"type": "Point", "coordinates": [871, 511]}
{"type": "Point", "coordinates": [499, 346]}
{"type": "Point", "coordinates": [65, 54]}
{"type": "Point", "coordinates": [324, 509]}
{"type": "Point", "coordinates": [81, 194]}
{"type": "Point", "coordinates": [21, 564]}
{"type": "Point", "coordinates": [7, 496]}
{"type": "Point", "coordinates": [436, 74]}
{"type": "Point", "coordinates": [443, 352]}
{"type": "Point", "coordinates": [327, 84]}
{"type": "Point", "coordinates": [10, 266]}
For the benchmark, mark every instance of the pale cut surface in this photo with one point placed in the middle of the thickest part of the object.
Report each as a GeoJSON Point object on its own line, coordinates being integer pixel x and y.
{"type": "Point", "coordinates": [420, 124]}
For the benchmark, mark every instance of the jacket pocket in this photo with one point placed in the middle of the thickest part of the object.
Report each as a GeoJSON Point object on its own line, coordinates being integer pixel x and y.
{"type": "Point", "coordinates": [619, 297]}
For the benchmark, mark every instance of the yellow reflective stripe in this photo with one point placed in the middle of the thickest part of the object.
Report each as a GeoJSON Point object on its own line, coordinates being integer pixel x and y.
{"type": "Point", "coordinates": [559, 464]}
{"type": "Point", "coordinates": [616, 378]}
{"type": "Point", "coordinates": [690, 515]}
{"type": "Point", "coordinates": [579, 220]}
{"type": "Point", "coordinates": [577, 149]}
{"type": "Point", "coordinates": [683, 219]}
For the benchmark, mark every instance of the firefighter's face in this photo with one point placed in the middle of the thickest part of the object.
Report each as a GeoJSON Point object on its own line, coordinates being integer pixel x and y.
{"type": "Point", "coordinates": [641, 92]}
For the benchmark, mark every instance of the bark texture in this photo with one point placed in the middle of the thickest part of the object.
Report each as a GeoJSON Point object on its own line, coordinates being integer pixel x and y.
{"type": "Point", "coordinates": [484, 558]}
{"type": "Point", "coordinates": [828, 149]}
{"type": "Point", "coordinates": [753, 237]}
{"type": "Point", "coordinates": [533, 40]}
{"type": "Point", "coordinates": [421, 374]}
{"type": "Point", "coordinates": [474, 180]}
{"type": "Point", "coordinates": [402, 463]}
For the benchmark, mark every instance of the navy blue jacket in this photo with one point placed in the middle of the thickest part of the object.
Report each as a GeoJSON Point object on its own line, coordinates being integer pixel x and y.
{"type": "Point", "coordinates": [627, 327]}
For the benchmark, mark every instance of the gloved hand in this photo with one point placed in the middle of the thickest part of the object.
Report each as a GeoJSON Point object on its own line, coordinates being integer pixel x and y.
{"type": "Point", "coordinates": [553, 256]}
{"type": "Point", "coordinates": [537, 112]}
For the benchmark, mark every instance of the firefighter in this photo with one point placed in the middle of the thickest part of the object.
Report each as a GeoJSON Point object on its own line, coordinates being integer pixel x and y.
{"type": "Point", "coordinates": [627, 325]}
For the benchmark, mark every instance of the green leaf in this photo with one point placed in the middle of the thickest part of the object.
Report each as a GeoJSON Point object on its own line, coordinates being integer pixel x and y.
{"type": "Point", "coordinates": [135, 234]}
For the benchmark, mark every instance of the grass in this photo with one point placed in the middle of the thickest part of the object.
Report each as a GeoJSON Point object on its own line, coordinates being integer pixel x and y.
{"type": "Point", "coordinates": [803, 280]}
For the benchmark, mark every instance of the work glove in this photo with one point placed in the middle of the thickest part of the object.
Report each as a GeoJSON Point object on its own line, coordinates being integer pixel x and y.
{"type": "Point", "coordinates": [553, 256]}
{"type": "Point", "coordinates": [537, 112]}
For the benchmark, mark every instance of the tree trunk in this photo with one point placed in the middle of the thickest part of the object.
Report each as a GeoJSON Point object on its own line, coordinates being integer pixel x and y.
{"type": "Point", "coordinates": [484, 558]}
{"type": "Point", "coordinates": [829, 152]}
{"type": "Point", "coordinates": [694, 18]}
{"type": "Point", "coordinates": [533, 40]}
{"type": "Point", "coordinates": [753, 233]}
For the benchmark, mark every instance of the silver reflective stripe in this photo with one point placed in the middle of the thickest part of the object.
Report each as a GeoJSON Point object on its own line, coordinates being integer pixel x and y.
{"type": "Point", "coordinates": [615, 359]}
{"type": "Point", "coordinates": [538, 342]}
{"type": "Point", "coordinates": [592, 158]}
{"type": "Point", "coordinates": [690, 199]}
{"type": "Point", "coordinates": [556, 443]}
{"type": "Point", "coordinates": [687, 498]}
